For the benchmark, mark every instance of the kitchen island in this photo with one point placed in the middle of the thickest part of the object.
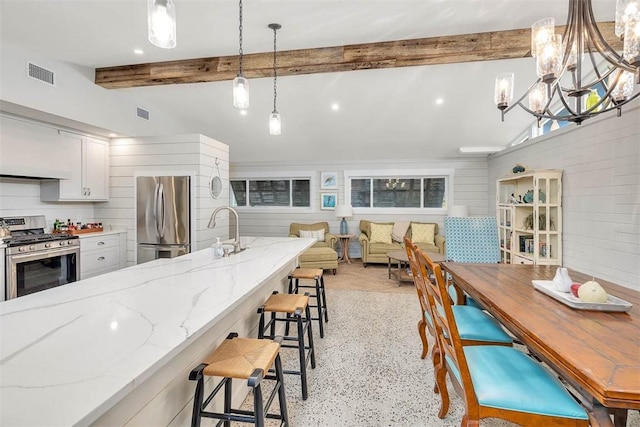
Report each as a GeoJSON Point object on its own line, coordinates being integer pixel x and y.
{"type": "Point", "coordinates": [117, 348]}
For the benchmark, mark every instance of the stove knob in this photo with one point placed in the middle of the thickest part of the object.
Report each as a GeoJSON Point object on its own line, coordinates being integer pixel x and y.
{"type": "Point", "coordinates": [32, 247]}
{"type": "Point", "coordinates": [47, 245]}
{"type": "Point", "coordinates": [62, 243]}
{"type": "Point", "coordinates": [22, 248]}
{"type": "Point", "coordinates": [70, 242]}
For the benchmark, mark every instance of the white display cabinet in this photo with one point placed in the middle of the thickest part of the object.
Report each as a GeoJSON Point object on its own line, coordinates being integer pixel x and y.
{"type": "Point", "coordinates": [529, 215]}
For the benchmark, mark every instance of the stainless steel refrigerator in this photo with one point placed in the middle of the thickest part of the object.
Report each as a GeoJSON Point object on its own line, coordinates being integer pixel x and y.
{"type": "Point", "coordinates": [163, 210]}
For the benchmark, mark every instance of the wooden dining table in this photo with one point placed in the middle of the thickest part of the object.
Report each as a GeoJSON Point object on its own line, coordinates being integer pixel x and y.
{"type": "Point", "coordinates": [596, 352]}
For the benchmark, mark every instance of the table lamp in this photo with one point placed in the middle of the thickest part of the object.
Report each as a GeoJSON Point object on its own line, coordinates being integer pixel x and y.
{"type": "Point", "coordinates": [344, 211]}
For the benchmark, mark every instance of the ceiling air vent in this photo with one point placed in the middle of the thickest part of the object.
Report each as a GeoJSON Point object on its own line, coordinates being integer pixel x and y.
{"type": "Point", "coordinates": [40, 73]}
{"type": "Point", "coordinates": [142, 113]}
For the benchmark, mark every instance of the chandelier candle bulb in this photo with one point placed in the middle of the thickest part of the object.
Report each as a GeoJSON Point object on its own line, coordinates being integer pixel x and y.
{"type": "Point", "coordinates": [538, 98]}
{"type": "Point", "coordinates": [541, 32]}
{"type": "Point", "coordinates": [623, 86]}
{"type": "Point", "coordinates": [631, 49]}
{"type": "Point", "coordinates": [624, 10]}
{"type": "Point", "coordinates": [549, 59]}
{"type": "Point", "coordinates": [503, 94]}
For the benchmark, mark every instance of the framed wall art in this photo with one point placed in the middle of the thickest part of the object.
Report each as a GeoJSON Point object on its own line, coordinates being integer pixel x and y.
{"type": "Point", "coordinates": [329, 181]}
{"type": "Point", "coordinates": [328, 201]}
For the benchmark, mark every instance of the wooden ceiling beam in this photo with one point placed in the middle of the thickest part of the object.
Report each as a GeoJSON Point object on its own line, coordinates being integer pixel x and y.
{"type": "Point", "coordinates": [489, 46]}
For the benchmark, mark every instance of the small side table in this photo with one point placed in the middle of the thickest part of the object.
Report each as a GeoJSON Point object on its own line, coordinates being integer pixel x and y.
{"type": "Point", "coordinates": [344, 242]}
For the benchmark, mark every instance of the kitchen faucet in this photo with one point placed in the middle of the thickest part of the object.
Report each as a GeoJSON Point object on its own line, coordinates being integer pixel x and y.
{"type": "Point", "coordinates": [212, 223]}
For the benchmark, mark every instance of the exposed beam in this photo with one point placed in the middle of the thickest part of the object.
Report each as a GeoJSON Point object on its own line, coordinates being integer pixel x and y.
{"type": "Point", "coordinates": [489, 46]}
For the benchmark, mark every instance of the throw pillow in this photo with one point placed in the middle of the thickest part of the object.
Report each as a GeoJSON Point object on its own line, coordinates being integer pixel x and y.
{"type": "Point", "coordinates": [316, 234]}
{"type": "Point", "coordinates": [399, 230]}
{"type": "Point", "coordinates": [423, 233]}
{"type": "Point", "coordinates": [381, 233]}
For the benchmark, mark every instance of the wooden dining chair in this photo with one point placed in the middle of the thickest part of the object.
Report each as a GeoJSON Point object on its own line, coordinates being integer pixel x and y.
{"type": "Point", "coordinates": [478, 327]}
{"type": "Point", "coordinates": [495, 381]}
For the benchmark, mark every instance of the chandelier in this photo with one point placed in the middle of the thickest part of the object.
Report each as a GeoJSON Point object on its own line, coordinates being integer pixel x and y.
{"type": "Point", "coordinates": [394, 183]}
{"type": "Point", "coordinates": [275, 124]}
{"type": "Point", "coordinates": [240, 83]}
{"type": "Point", "coordinates": [578, 72]}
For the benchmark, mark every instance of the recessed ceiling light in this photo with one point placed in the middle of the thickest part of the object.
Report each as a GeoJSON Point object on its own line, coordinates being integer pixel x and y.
{"type": "Point", "coordinates": [138, 51]}
{"type": "Point", "coordinates": [243, 112]}
{"type": "Point", "coordinates": [480, 150]}
{"type": "Point", "coordinates": [439, 101]}
{"type": "Point", "coordinates": [335, 106]}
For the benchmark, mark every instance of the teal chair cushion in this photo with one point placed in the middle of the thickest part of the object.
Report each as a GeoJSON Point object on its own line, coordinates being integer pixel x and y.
{"type": "Point", "coordinates": [506, 378]}
{"type": "Point", "coordinates": [474, 324]}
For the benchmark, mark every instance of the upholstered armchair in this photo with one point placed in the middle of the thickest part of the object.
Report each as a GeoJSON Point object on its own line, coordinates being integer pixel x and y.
{"type": "Point", "coordinates": [330, 240]}
{"type": "Point", "coordinates": [323, 253]}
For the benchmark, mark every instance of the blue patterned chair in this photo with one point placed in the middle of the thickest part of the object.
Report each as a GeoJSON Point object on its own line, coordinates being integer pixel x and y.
{"type": "Point", "coordinates": [471, 239]}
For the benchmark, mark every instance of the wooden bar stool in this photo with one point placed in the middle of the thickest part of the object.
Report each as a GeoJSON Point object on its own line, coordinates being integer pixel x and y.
{"type": "Point", "coordinates": [241, 358]}
{"type": "Point", "coordinates": [292, 306]}
{"type": "Point", "coordinates": [315, 274]}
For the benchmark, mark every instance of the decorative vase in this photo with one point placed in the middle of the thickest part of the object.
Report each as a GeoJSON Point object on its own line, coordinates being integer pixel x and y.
{"type": "Point", "coordinates": [344, 229]}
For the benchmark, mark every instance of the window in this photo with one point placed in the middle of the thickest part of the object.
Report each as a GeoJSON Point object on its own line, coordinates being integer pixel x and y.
{"type": "Point", "coordinates": [420, 190]}
{"type": "Point", "coordinates": [271, 192]}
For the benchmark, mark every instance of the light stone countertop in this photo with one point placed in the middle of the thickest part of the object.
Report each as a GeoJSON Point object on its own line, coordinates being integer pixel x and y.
{"type": "Point", "coordinates": [68, 354]}
{"type": "Point", "coordinates": [102, 233]}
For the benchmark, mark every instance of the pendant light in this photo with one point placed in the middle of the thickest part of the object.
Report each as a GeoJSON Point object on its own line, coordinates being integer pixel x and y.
{"type": "Point", "coordinates": [275, 124]}
{"type": "Point", "coordinates": [161, 18]}
{"type": "Point", "coordinates": [240, 84]}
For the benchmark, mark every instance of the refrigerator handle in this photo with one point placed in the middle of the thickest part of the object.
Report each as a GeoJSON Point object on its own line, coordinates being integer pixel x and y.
{"type": "Point", "coordinates": [155, 208]}
{"type": "Point", "coordinates": [160, 211]}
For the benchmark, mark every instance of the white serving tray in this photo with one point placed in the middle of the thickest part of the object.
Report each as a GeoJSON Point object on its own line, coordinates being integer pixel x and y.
{"type": "Point", "coordinates": [567, 298]}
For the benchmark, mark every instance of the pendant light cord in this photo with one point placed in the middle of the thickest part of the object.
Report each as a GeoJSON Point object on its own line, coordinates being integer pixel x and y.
{"type": "Point", "coordinates": [275, 72]}
{"type": "Point", "coordinates": [240, 50]}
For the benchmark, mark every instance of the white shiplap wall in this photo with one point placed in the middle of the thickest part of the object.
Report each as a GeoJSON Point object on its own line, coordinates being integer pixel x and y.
{"type": "Point", "coordinates": [601, 192]}
{"type": "Point", "coordinates": [167, 155]}
{"type": "Point", "coordinates": [470, 188]}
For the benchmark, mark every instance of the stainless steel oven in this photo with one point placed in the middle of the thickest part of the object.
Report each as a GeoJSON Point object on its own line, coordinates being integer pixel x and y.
{"type": "Point", "coordinates": [35, 260]}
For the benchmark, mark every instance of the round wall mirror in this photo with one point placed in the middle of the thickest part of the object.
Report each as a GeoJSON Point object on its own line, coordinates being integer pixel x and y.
{"type": "Point", "coordinates": [215, 187]}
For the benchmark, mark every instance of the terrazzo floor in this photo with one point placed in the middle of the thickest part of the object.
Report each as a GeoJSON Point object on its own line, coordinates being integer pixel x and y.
{"type": "Point", "coordinates": [369, 372]}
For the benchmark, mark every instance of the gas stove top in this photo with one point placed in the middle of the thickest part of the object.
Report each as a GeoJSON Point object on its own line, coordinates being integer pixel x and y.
{"type": "Point", "coordinates": [28, 234]}
{"type": "Point", "coordinates": [37, 238]}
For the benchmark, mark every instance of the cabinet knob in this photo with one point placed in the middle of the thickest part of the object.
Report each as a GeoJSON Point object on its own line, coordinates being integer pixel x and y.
{"type": "Point", "coordinates": [100, 258]}
{"type": "Point", "coordinates": [100, 243]}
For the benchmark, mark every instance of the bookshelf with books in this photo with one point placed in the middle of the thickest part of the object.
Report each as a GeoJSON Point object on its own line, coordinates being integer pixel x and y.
{"type": "Point", "coordinates": [529, 215]}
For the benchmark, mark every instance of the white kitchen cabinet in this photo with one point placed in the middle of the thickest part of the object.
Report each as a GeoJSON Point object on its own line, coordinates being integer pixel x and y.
{"type": "Point", "coordinates": [89, 179]}
{"type": "Point", "coordinates": [102, 253]}
{"type": "Point", "coordinates": [529, 208]}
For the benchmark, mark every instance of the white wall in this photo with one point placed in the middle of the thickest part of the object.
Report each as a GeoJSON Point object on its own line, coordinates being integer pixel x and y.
{"type": "Point", "coordinates": [601, 192]}
{"type": "Point", "coordinates": [470, 188]}
{"type": "Point", "coordinates": [166, 155]}
{"type": "Point", "coordinates": [75, 96]}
